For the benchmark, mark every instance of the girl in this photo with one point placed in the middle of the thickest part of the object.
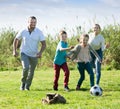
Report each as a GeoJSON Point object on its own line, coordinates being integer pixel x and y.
{"type": "Point", "coordinates": [81, 54]}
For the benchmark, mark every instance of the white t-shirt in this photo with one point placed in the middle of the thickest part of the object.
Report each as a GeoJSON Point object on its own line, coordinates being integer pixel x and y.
{"type": "Point", "coordinates": [96, 42]}
{"type": "Point", "coordinates": [30, 42]}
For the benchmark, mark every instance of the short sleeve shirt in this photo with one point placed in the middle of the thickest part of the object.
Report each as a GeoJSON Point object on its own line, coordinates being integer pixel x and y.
{"type": "Point", "coordinates": [30, 41]}
{"type": "Point", "coordinates": [60, 56]}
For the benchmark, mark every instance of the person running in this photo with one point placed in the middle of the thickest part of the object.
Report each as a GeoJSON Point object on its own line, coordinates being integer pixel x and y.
{"type": "Point", "coordinates": [81, 55]}
{"type": "Point", "coordinates": [60, 61]}
{"type": "Point", "coordinates": [30, 38]}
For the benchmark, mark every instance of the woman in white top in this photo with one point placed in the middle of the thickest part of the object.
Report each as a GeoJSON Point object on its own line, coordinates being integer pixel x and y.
{"type": "Point", "coordinates": [97, 42]}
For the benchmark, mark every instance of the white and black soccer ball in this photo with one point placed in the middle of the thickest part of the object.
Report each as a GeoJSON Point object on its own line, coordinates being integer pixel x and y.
{"type": "Point", "coordinates": [96, 90]}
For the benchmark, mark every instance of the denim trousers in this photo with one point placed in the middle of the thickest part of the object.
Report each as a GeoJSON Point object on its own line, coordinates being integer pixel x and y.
{"type": "Point", "coordinates": [57, 68]}
{"type": "Point", "coordinates": [97, 65]}
{"type": "Point", "coordinates": [29, 65]}
{"type": "Point", "coordinates": [82, 66]}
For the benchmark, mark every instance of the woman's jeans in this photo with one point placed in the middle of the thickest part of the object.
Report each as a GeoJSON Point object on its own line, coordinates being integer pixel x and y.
{"type": "Point", "coordinates": [97, 65]}
{"type": "Point", "coordinates": [29, 65]}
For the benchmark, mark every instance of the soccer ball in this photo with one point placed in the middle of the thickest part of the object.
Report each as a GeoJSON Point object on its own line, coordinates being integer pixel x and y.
{"type": "Point", "coordinates": [96, 90]}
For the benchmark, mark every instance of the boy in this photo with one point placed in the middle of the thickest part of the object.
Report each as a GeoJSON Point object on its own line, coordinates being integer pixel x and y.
{"type": "Point", "coordinates": [60, 61]}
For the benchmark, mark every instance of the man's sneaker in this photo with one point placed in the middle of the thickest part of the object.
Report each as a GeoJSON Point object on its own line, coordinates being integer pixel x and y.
{"type": "Point", "coordinates": [22, 87]}
{"type": "Point", "coordinates": [78, 88]}
{"type": "Point", "coordinates": [66, 88]}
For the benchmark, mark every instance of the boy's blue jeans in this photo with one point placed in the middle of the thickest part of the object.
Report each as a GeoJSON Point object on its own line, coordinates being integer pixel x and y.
{"type": "Point", "coordinates": [97, 65]}
{"type": "Point", "coordinates": [82, 67]}
{"type": "Point", "coordinates": [29, 65]}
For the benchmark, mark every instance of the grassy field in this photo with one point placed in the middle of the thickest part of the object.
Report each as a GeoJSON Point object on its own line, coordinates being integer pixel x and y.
{"type": "Point", "coordinates": [12, 98]}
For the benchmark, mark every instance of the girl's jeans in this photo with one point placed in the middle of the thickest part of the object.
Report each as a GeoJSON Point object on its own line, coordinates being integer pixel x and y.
{"type": "Point", "coordinates": [82, 66]}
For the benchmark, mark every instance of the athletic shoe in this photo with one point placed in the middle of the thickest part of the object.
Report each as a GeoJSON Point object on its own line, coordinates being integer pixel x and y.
{"type": "Point", "coordinates": [22, 87]}
{"type": "Point", "coordinates": [27, 89]}
{"type": "Point", "coordinates": [66, 88]}
{"type": "Point", "coordinates": [78, 88]}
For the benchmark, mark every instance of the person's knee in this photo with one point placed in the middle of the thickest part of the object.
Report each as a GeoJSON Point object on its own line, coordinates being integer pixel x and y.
{"type": "Point", "coordinates": [68, 73]}
{"type": "Point", "coordinates": [83, 78]}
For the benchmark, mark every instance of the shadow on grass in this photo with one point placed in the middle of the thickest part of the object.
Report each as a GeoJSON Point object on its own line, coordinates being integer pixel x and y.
{"type": "Point", "coordinates": [59, 90]}
{"type": "Point", "coordinates": [106, 95]}
{"type": "Point", "coordinates": [38, 89]}
{"type": "Point", "coordinates": [81, 89]}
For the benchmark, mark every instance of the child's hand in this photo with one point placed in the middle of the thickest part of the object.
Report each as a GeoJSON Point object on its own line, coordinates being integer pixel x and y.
{"type": "Point", "coordinates": [100, 61]}
{"type": "Point", "coordinates": [71, 47]}
{"type": "Point", "coordinates": [68, 57]}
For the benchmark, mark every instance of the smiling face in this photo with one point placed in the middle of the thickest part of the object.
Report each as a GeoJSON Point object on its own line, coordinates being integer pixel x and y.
{"type": "Point", "coordinates": [63, 36]}
{"type": "Point", "coordinates": [32, 23]}
{"type": "Point", "coordinates": [84, 39]}
{"type": "Point", "coordinates": [96, 29]}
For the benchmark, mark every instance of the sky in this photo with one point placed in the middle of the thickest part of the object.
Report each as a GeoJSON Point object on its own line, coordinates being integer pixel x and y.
{"type": "Point", "coordinates": [54, 15]}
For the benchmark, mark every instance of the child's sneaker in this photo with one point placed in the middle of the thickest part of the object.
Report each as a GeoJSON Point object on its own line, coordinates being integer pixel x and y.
{"type": "Point", "coordinates": [78, 88]}
{"type": "Point", "coordinates": [66, 88]}
{"type": "Point", "coordinates": [28, 89]}
{"type": "Point", "coordinates": [22, 87]}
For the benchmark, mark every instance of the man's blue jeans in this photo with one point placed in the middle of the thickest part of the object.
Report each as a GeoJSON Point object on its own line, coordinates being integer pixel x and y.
{"type": "Point", "coordinates": [29, 65]}
{"type": "Point", "coordinates": [82, 67]}
{"type": "Point", "coordinates": [97, 65]}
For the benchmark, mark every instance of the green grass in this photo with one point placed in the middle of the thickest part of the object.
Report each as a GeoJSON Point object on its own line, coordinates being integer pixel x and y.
{"type": "Point", "coordinates": [12, 98]}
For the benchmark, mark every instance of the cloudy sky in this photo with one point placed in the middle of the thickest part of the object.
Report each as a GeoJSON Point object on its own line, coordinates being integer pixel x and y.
{"type": "Point", "coordinates": [56, 14]}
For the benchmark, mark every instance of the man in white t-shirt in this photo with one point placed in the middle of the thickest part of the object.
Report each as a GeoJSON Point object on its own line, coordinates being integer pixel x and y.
{"type": "Point", "coordinates": [30, 39]}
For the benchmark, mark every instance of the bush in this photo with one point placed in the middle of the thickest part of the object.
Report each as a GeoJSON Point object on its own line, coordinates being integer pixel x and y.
{"type": "Point", "coordinates": [111, 55]}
